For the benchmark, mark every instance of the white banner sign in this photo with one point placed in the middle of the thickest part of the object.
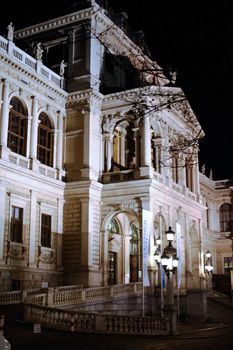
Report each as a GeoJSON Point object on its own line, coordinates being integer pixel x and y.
{"type": "Point", "coordinates": [146, 231]}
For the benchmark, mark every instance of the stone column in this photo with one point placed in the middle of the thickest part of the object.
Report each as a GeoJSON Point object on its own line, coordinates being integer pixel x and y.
{"type": "Point", "coordinates": [109, 140]}
{"type": "Point", "coordinates": [196, 180]}
{"type": "Point", "coordinates": [5, 114]}
{"type": "Point", "coordinates": [166, 161]}
{"type": "Point", "coordinates": [28, 136]}
{"type": "Point", "coordinates": [32, 231]}
{"type": "Point", "coordinates": [86, 233]}
{"type": "Point", "coordinates": [2, 217]}
{"type": "Point", "coordinates": [126, 251]}
{"type": "Point", "coordinates": [146, 142]}
{"type": "Point", "coordinates": [59, 140]}
{"type": "Point", "coordinates": [122, 147]}
{"type": "Point", "coordinates": [104, 256]}
{"type": "Point", "coordinates": [103, 154]}
{"type": "Point", "coordinates": [137, 147]}
{"type": "Point", "coordinates": [60, 205]}
{"type": "Point", "coordinates": [91, 139]}
{"type": "Point", "coordinates": [55, 147]}
{"type": "Point", "coordinates": [34, 128]}
{"type": "Point", "coordinates": [182, 171]}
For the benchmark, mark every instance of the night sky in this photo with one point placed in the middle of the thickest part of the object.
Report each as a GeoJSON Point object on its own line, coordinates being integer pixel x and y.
{"type": "Point", "coordinates": [194, 37]}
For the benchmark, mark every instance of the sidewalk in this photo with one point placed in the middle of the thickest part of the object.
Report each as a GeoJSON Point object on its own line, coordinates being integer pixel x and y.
{"type": "Point", "coordinates": [198, 327]}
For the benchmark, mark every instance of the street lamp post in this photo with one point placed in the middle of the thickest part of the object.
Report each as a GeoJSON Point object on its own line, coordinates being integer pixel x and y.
{"type": "Point", "coordinates": [169, 262]}
{"type": "Point", "coordinates": [157, 258]}
{"type": "Point", "coordinates": [208, 265]}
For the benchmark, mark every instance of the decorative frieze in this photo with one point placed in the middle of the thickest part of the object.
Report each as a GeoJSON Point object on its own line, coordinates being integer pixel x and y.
{"type": "Point", "coordinates": [15, 251]}
{"type": "Point", "coordinates": [45, 255]}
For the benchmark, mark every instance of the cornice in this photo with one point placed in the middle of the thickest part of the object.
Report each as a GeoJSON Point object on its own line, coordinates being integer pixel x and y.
{"type": "Point", "coordinates": [85, 96]}
{"type": "Point", "coordinates": [58, 22]}
{"type": "Point", "coordinates": [118, 37]}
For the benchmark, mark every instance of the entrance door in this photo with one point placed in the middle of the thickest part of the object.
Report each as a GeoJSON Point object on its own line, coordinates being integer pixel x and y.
{"type": "Point", "coordinates": [133, 268]}
{"type": "Point", "coordinates": [112, 258]}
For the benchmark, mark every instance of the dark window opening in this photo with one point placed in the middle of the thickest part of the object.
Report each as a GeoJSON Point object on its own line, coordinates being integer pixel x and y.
{"type": "Point", "coordinates": [17, 129]}
{"type": "Point", "coordinates": [112, 258]}
{"type": "Point", "coordinates": [226, 217]}
{"type": "Point", "coordinates": [17, 224]}
{"type": "Point", "coordinates": [228, 265]}
{"type": "Point", "coordinates": [46, 230]}
{"type": "Point", "coordinates": [16, 285]}
{"type": "Point", "coordinates": [45, 141]}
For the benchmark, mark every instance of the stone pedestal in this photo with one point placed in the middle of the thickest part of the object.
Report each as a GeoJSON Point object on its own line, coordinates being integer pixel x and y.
{"type": "Point", "coordinates": [146, 172]}
{"type": "Point", "coordinates": [170, 312]}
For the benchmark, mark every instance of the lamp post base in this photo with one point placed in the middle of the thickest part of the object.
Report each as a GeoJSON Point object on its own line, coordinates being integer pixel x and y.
{"type": "Point", "coordinates": [170, 312]}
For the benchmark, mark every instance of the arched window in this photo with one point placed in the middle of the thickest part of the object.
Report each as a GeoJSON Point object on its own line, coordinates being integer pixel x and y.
{"type": "Point", "coordinates": [45, 140]}
{"type": "Point", "coordinates": [226, 217]}
{"type": "Point", "coordinates": [156, 154]}
{"type": "Point", "coordinates": [113, 226]}
{"type": "Point", "coordinates": [17, 129]}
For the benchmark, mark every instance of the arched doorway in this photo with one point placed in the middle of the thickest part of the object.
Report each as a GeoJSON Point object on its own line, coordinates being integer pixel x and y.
{"type": "Point", "coordinates": [121, 247]}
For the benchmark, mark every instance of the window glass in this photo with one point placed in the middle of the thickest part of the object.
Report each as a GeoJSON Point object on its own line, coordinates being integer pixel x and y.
{"type": "Point", "coordinates": [113, 226]}
{"type": "Point", "coordinates": [46, 230]}
{"type": "Point", "coordinates": [226, 217]}
{"type": "Point", "coordinates": [17, 224]}
{"type": "Point", "coordinates": [228, 264]}
{"type": "Point", "coordinates": [17, 128]}
{"type": "Point", "coordinates": [45, 140]}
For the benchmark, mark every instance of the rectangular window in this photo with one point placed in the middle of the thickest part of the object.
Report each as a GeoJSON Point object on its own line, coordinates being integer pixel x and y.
{"type": "Point", "coordinates": [46, 230]}
{"type": "Point", "coordinates": [228, 264]}
{"type": "Point", "coordinates": [16, 285]}
{"type": "Point", "coordinates": [17, 224]}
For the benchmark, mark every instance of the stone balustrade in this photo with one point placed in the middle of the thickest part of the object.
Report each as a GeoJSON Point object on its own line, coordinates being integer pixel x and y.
{"type": "Point", "coordinates": [14, 297]}
{"type": "Point", "coordinates": [95, 323]}
{"type": "Point", "coordinates": [35, 65]}
{"type": "Point", "coordinates": [119, 176]}
{"type": "Point", "coordinates": [68, 295]}
{"type": "Point", "coordinates": [136, 325]}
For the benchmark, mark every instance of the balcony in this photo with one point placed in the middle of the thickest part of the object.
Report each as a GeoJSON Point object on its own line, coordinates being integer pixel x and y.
{"type": "Point", "coordinates": [31, 63]}
{"type": "Point", "coordinates": [118, 176]}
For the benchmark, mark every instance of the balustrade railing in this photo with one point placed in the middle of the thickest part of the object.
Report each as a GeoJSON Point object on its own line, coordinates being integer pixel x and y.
{"type": "Point", "coordinates": [59, 296]}
{"type": "Point", "coordinates": [35, 65]}
{"type": "Point", "coordinates": [68, 295]}
{"type": "Point", "coordinates": [13, 297]}
{"type": "Point", "coordinates": [95, 323]}
{"type": "Point", "coordinates": [118, 176]}
{"type": "Point", "coordinates": [136, 325]}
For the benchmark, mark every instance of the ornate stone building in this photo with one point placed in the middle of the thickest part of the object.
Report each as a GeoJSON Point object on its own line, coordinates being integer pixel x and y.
{"type": "Point", "coordinates": [31, 186]}
{"type": "Point", "coordinates": [126, 147]}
